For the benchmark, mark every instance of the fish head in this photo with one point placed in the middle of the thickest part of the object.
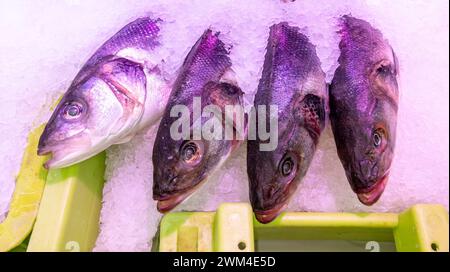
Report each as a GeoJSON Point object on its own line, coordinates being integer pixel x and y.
{"type": "Point", "coordinates": [366, 137]}
{"type": "Point", "coordinates": [94, 113]}
{"type": "Point", "coordinates": [276, 176]}
{"type": "Point", "coordinates": [366, 144]}
{"type": "Point", "coordinates": [369, 157]}
{"type": "Point", "coordinates": [180, 172]}
{"type": "Point", "coordinates": [180, 166]}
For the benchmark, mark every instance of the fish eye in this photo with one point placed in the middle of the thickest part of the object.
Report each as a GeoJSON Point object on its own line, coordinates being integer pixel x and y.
{"type": "Point", "coordinates": [190, 152]}
{"type": "Point", "coordinates": [287, 165]}
{"type": "Point", "coordinates": [72, 110]}
{"type": "Point", "coordinates": [230, 89]}
{"type": "Point", "coordinates": [377, 138]}
{"type": "Point", "coordinates": [384, 68]}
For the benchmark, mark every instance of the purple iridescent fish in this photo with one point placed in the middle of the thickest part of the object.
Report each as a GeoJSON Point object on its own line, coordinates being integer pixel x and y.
{"type": "Point", "coordinates": [180, 165]}
{"type": "Point", "coordinates": [293, 80]}
{"type": "Point", "coordinates": [363, 107]}
{"type": "Point", "coordinates": [118, 92]}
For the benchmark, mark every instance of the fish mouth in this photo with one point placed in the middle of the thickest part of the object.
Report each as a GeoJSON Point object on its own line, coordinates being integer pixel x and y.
{"type": "Point", "coordinates": [267, 216]}
{"type": "Point", "coordinates": [54, 161]}
{"type": "Point", "coordinates": [168, 203]}
{"type": "Point", "coordinates": [370, 196]}
{"type": "Point", "coordinates": [43, 151]}
{"type": "Point", "coordinates": [67, 153]}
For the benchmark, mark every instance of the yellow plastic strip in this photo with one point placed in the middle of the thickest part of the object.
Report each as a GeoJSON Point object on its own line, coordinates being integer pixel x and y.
{"type": "Point", "coordinates": [26, 197]}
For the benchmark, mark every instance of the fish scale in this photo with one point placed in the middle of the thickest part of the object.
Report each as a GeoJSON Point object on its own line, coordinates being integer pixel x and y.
{"type": "Point", "coordinates": [207, 61]}
{"type": "Point", "coordinates": [292, 56]}
{"type": "Point", "coordinates": [141, 34]}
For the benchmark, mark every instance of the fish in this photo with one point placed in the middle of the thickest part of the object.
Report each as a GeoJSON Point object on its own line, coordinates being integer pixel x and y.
{"type": "Point", "coordinates": [119, 91]}
{"type": "Point", "coordinates": [363, 107]}
{"type": "Point", "coordinates": [292, 80]}
{"type": "Point", "coordinates": [182, 164]}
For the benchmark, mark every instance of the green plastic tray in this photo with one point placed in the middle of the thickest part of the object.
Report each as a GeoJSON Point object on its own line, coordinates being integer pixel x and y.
{"type": "Point", "coordinates": [232, 227]}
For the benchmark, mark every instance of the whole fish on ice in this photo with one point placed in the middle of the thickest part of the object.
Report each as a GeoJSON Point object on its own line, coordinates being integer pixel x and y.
{"type": "Point", "coordinates": [180, 165]}
{"type": "Point", "coordinates": [293, 80]}
{"type": "Point", "coordinates": [119, 91]}
{"type": "Point", "coordinates": [363, 107]}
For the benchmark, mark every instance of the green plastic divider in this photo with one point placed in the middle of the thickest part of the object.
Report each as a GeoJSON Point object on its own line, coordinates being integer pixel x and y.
{"type": "Point", "coordinates": [423, 228]}
{"type": "Point", "coordinates": [328, 226]}
{"type": "Point", "coordinates": [233, 228]}
{"type": "Point", "coordinates": [68, 218]}
{"type": "Point", "coordinates": [196, 228]}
